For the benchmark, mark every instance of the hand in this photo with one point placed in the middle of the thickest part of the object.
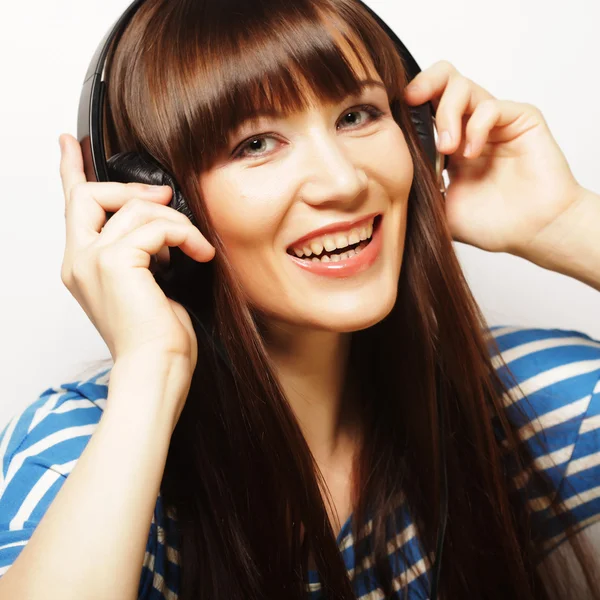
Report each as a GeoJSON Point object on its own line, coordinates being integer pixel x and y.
{"type": "Point", "coordinates": [106, 264]}
{"type": "Point", "coordinates": [515, 181]}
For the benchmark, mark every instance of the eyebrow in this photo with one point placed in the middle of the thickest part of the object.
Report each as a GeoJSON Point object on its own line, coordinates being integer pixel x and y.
{"type": "Point", "coordinates": [276, 114]}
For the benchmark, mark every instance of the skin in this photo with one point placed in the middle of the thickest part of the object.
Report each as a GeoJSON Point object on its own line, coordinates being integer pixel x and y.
{"type": "Point", "coordinates": [315, 168]}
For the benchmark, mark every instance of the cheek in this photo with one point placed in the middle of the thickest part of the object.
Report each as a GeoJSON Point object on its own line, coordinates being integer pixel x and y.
{"type": "Point", "coordinates": [245, 220]}
{"type": "Point", "coordinates": [392, 164]}
{"type": "Point", "coordinates": [247, 223]}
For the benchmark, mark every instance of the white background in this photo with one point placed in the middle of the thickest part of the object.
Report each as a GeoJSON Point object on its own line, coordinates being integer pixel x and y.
{"type": "Point", "coordinates": [529, 51]}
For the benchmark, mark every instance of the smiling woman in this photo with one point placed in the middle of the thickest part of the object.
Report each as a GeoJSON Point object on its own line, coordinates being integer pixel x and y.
{"type": "Point", "coordinates": [305, 460]}
{"type": "Point", "coordinates": [324, 167]}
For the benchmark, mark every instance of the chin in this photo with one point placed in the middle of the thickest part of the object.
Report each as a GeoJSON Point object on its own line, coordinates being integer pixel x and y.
{"type": "Point", "coordinates": [343, 311]}
{"type": "Point", "coordinates": [353, 313]}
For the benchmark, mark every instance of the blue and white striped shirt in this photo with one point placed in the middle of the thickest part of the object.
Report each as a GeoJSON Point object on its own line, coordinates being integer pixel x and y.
{"type": "Point", "coordinates": [558, 371]}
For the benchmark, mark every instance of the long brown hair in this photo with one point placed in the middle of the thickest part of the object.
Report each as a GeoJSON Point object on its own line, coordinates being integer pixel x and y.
{"type": "Point", "coordinates": [240, 478]}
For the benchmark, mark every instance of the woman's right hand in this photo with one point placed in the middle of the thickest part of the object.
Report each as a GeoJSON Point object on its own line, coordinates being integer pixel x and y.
{"type": "Point", "coordinates": [106, 264]}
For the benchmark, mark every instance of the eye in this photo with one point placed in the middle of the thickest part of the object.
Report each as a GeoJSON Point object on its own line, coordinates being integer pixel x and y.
{"type": "Point", "coordinates": [253, 143]}
{"type": "Point", "coordinates": [372, 112]}
{"type": "Point", "coordinates": [247, 148]}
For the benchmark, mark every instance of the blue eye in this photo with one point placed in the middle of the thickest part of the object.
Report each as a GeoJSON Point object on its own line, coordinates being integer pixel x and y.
{"type": "Point", "coordinates": [244, 150]}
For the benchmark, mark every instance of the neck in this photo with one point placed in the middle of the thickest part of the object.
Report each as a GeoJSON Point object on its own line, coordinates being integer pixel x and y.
{"type": "Point", "coordinates": [312, 369]}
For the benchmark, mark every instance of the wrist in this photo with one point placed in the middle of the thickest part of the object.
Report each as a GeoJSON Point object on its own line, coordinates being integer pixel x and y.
{"type": "Point", "coordinates": [149, 387]}
{"type": "Point", "coordinates": [569, 245]}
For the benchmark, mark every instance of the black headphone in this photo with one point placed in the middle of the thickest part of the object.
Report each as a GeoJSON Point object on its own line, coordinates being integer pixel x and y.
{"type": "Point", "coordinates": [132, 166]}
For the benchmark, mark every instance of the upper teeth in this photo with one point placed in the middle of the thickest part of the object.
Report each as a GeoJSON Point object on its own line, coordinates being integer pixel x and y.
{"type": "Point", "coordinates": [335, 240]}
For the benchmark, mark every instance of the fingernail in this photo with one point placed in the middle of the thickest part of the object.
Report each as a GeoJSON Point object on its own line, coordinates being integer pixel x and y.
{"type": "Point", "coordinates": [60, 143]}
{"type": "Point", "coordinates": [468, 150]}
{"type": "Point", "coordinates": [445, 140]}
{"type": "Point", "coordinates": [156, 190]}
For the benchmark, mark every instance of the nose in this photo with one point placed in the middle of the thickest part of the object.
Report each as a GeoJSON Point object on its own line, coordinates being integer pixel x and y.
{"type": "Point", "coordinates": [333, 173]}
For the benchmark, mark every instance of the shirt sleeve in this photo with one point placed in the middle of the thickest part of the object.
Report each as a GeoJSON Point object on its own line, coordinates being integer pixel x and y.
{"type": "Point", "coordinates": [558, 372]}
{"type": "Point", "coordinates": [38, 449]}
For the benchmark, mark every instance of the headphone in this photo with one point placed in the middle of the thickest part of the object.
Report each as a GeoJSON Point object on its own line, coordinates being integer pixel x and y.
{"type": "Point", "coordinates": [132, 166]}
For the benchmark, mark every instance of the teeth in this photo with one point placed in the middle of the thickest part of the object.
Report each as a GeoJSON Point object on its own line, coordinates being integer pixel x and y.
{"type": "Point", "coordinates": [341, 240]}
{"type": "Point", "coordinates": [329, 243]}
{"type": "Point", "coordinates": [316, 247]}
{"type": "Point", "coordinates": [354, 237]}
{"type": "Point", "coordinates": [335, 241]}
{"type": "Point", "coordinates": [337, 257]}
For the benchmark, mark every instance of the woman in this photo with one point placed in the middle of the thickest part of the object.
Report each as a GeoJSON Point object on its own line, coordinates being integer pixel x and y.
{"type": "Point", "coordinates": [310, 466]}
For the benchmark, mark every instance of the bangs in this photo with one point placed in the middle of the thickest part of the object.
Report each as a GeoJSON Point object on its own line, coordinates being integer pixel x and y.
{"type": "Point", "coordinates": [269, 57]}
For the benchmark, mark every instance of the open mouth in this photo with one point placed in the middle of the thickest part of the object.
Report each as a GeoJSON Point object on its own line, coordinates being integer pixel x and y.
{"type": "Point", "coordinates": [339, 253]}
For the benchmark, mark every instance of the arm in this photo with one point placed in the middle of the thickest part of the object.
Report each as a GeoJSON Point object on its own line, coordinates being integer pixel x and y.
{"type": "Point", "coordinates": [90, 543]}
{"type": "Point", "coordinates": [571, 244]}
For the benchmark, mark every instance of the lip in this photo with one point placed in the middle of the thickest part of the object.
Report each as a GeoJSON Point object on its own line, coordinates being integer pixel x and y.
{"type": "Point", "coordinates": [350, 266]}
{"type": "Point", "coordinates": [333, 228]}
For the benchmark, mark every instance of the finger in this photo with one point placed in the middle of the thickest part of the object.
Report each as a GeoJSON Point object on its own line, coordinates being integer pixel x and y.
{"type": "Point", "coordinates": [153, 236]}
{"type": "Point", "coordinates": [448, 117]}
{"type": "Point", "coordinates": [431, 83]}
{"type": "Point", "coordinates": [71, 164]}
{"type": "Point", "coordinates": [85, 213]}
{"type": "Point", "coordinates": [135, 213]}
{"type": "Point", "coordinates": [113, 195]}
{"type": "Point", "coordinates": [488, 115]}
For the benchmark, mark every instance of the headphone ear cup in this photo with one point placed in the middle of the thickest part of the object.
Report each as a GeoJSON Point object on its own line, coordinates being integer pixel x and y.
{"type": "Point", "coordinates": [424, 121]}
{"type": "Point", "coordinates": [127, 167]}
{"type": "Point", "coordinates": [421, 117]}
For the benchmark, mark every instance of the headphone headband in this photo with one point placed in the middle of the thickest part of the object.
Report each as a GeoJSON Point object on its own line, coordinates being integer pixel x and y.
{"type": "Point", "coordinates": [90, 116]}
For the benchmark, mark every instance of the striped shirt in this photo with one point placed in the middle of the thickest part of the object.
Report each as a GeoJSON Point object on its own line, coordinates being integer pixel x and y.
{"type": "Point", "coordinates": [558, 371]}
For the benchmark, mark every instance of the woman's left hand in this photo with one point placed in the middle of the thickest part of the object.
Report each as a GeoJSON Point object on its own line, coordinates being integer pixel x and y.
{"type": "Point", "coordinates": [515, 181]}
